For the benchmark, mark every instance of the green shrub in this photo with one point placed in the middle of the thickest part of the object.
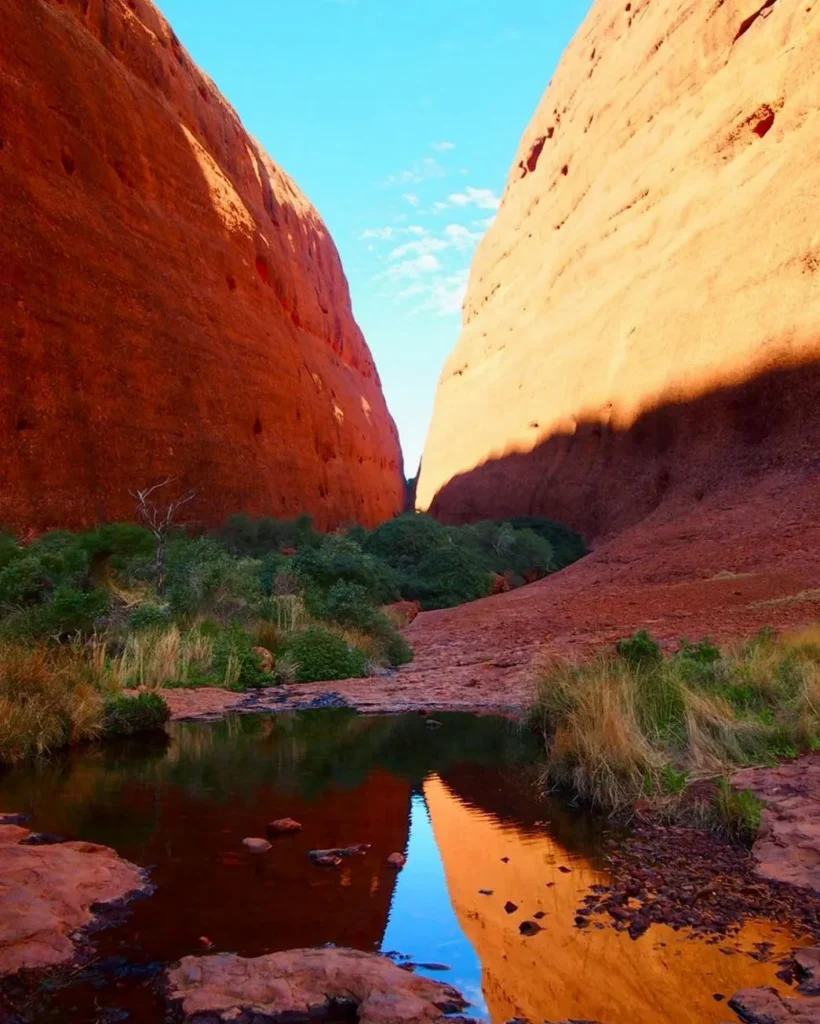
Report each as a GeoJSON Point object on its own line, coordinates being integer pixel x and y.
{"type": "Point", "coordinates": [9, 549]}
{"type": "Point", "coordinates": [203, 577]}
{"type": "Point", "coordinates": [349, 604]}
{"type": "Point", "coordinates": [448, 576]}
{"type": "Point", "coordinates": [567, 545]}
{"type": "Point", "coordinates": [235, 662]}
{"type": "Point", "coordinates": [737, 811]}
{"type": "Point", "coordinates": [23, 581]}
{"type": "Point", "coordinates": [258, 537]}
{"type": "Point", "coordinates": [125, 715]}
{"type": "Point", "coordinates": [148, 616]}
{"type": "Point", "coordinates": [320, 654]}
{"type": "Point", "coordinates": [640, 650]}
{"type": "Point", "coordinates": [397, 651]}
{"type": "Point", "coordinates": [341, 559]}
{"type": "Point", "coordinates": [402, 542]}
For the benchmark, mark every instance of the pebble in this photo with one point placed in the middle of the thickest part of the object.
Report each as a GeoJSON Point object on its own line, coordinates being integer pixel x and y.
{"type": "Point", "coordinates": [284, 826]}
{"type": "Point", "coordinates": [256, 845]}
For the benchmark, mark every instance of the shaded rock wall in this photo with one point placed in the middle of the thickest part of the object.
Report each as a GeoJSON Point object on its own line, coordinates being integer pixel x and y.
{"type": "Point", "coordinates": [171, 304]}
{"type": "Point", "coordinates": [643, 317]}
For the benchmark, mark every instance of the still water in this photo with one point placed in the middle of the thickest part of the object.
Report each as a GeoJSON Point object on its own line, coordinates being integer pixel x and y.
{"type": "Point", "coordinates": [459, 800]}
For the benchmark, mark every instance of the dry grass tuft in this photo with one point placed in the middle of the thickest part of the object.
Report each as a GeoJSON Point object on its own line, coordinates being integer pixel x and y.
{"type": "Point", "coordinates": [617, 730]}
{"type": "Point", "coordinates": [48, 697]}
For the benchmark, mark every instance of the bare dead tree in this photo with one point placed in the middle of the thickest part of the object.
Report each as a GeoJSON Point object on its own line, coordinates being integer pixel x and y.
{"type": "Point", "coordinates": [160, 517]}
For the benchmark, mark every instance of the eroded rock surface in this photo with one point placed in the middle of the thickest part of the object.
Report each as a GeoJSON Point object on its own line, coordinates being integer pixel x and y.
{"type": "Point", "coordinates": [766, 1006]}
{"type": "Point", "coordinates": [170, 303]}
{"type": "Point", "coordinates": [307, 984]}
{"type": "Point", "coordinates": [47, 892]}
{"type": "Point", "coordinates": [641, 324]}
{"type": "Point", "coordinates": [788, 847]}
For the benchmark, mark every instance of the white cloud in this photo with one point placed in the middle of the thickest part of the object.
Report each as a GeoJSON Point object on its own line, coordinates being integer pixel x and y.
{"type": "Point", "coordinates": [411, 198]}
{"type": "Point", "coordinates": [409, 292]}
{"type": "Point", "coordinates": [422, 170]}
{"type": "Point", "coordinates": [442, 147]}
{"type": "Point", "coordinates": [427, 263]}
{"type": "Point", "coordinates": [447, 293]}
{"type": "Point", "coordinates": [416, 229]}
{"type": "Point", "coordinates": [381, 233]}
{"type": "Point", "coordinates": [485, 223]}
{"type": "Point", "coordinates": [460, 237]}
{"type": "Point", "coordinates": [424, 245]}
{"type": "Point", "coordinates": [483, 198]}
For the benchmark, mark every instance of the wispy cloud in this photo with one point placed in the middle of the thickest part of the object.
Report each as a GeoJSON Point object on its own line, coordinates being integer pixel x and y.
{"type": "Point", "coordinates": [447, 293]}
{"type": "Point", "coordinates": [420, 247]}
{"type": "Point", "coordinates": [427, 263]}
{"type": "Point", "coordinates": [380, 233]}
{"type": "Point", "coordinates": [461, 237]}
{"type": "Point", "coordinates": [421, 170]}
{"type": "Point", "coordinates": [442, 147]}
{"type": "Point", "coordinates": [411, 198]}
{"type": "Point", "coordinates": [483, 198]}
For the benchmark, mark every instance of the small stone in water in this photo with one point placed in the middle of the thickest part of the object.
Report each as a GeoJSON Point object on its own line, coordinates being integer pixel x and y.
{"type": "Point", "coordinates": [284, 826]}
{"type": "Point", "coordinates": [327, 860]}
{"type": "Point", "coordinates": [256, 845]}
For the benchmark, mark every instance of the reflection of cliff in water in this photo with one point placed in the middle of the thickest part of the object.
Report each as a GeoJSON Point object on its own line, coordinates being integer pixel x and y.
{"type": "Point", "coordinates": [183, 810]}
{"type": "Point", "coordinates": [564, 972]}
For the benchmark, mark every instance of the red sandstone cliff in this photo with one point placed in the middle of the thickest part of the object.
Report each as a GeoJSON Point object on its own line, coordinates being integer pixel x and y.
{"type": "Point", "coordinates": [170, 303]}
{"type": "Point", "coordinates": [642, 325]}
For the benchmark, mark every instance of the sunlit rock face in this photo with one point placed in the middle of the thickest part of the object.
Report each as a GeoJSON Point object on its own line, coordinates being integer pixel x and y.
{"type": "Point", "coordinates": [562, 971]}
{"type": "Point", "coordinates": [642, 318]}
{"type": "Point", "coordinates": [172, 305]}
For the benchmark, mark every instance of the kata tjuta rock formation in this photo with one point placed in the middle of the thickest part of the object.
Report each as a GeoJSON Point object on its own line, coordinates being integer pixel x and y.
{"type": "Point", "coordinates": [643, 318]}
{"type": "Point", "coordinates": [170, 303]}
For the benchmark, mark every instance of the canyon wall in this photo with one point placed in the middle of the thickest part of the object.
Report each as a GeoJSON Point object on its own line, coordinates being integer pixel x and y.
{"type": "Point", "coordinates": [642, 324]}
{"type": "Point", "coordinates": [171, 305]}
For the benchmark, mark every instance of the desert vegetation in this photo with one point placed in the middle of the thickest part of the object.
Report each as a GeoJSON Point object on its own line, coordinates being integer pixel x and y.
{"type": "Point", "coordinates": [88, 618]}
{"type": "Point", "coordinates": [641, 724]}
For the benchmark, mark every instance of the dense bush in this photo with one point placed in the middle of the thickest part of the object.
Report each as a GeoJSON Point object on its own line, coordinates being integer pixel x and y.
{"type": "Point", "coordinates": [99, 617]}
{"type": "Point", "coordinates": [149, 615]}
{"type": "Point", "coordinates": [448, 576]}
{"type": "Point", "coordinates": [321, 653]}
{"type": "Point", "coordinates": [126, 715]}
{"type": "Point", "coordinates": [235, 663]}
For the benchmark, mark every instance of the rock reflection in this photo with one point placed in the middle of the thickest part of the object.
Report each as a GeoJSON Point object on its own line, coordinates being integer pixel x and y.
{"type": "Point", "coordinates": [563, 972]}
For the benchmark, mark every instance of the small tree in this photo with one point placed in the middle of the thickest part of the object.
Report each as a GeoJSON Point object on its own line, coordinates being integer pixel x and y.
{"type": "Point", "coordinates": [160, 518]}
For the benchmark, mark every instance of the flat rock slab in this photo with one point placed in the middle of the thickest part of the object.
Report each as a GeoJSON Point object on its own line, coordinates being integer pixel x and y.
{"type": "Point", "coordinates": [307, 985]}
{"type": "Point", "coordinates": [47, 892]}
{"type": "Point", "coordinates": [766, 1006]}
{"type": "Point", "coordinates": [788, 847]}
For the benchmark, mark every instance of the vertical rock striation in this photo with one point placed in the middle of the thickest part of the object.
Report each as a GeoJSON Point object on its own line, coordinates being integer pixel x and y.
{"type": "Point", "coordinates": [642, 326]}
{"type": "Point", "coordinates": [171, 304]}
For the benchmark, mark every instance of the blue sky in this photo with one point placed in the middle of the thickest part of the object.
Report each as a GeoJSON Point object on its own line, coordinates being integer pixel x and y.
{"type": "Point", "coordinates": [399, 119]}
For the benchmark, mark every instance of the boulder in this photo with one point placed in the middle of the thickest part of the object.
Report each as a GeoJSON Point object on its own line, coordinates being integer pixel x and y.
{"type": "Point", "coordinates": [402, 613]}
{"type": "Point", "coordinates": [171, 304]}
{"type": "Point", "coordinates": [266, 662]}
{"type": "Point", "coordinates": [305, 985]}
{"type": "Point", "coordinates": [47, 893]}
{"type": "Point", "coordinates": [397, 860]}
